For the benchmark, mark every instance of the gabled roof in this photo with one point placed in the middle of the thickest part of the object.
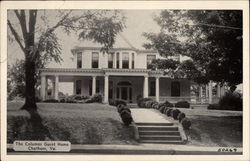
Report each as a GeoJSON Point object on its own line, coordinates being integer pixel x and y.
{"type": "Point", "coordinates": [121, 43]}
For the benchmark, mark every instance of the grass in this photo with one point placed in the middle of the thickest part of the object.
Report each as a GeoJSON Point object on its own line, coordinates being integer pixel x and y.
{"type": "Point", "coordinates": [214, 128]}
{"type": "Point", "coordinates": [77, 123]}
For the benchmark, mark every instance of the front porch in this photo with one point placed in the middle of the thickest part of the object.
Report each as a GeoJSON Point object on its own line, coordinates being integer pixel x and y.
{"type": "Point", "coordinates": [125, 84]}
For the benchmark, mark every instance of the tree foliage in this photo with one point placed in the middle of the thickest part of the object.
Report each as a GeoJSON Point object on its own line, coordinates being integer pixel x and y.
{"type": "Point", "coordinates": [40, 43]}
{"type": "Point", "coordinates": [211, 38]}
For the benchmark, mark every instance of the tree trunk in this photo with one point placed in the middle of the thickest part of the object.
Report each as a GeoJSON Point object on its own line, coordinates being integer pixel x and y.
{"type": "Point", "coordinates": [30, 94]}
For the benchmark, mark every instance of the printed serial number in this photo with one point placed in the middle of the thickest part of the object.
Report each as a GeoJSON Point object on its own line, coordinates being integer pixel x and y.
{"type": "Point", "coordinates": [227, 150]}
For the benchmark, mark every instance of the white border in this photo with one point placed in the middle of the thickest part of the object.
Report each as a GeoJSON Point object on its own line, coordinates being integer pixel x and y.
{"type": "Point", "coordinates": [126, 5]}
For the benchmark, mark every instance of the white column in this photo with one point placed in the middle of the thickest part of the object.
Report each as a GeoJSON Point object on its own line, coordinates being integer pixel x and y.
{"type": "Point", "coordinates": [157, 89]}
{"type": "Point", "coordinates": [74, 87]}
{"type": "Point", "coordinates": [218, 90]}
{"type": "Point", "coordinates": [222, 92]}
{"type": "Point", "coordinates": [120, 60]}
{"type": "Point", "coordinates": [145, 88]}
{"type": "Point", "coordinates": [130, 60]}
{"type": "Point", "coordinates": [114, 60]}
{"type": "Point", "coordinates": [106, 88]}
{"type": "Point", "coordinates": [210, 92]}
{"type": "Point", "coordinates": [42, 90]}
{"type": "Point", "coordinates": [53, 89]}
{"type": "Point", "coordinates": [93, 85]}
{"type": "Point", "coordinates": [200, 91]}
{"type": "Point", "coordinates": [56, 86]}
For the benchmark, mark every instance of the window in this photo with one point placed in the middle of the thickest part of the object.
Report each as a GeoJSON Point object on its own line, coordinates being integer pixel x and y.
{"type": "Point", "coordinates": [150, 58]}
{"type": "Point", "coordinates": [78, 87]}
{"type": "Point", "coordinates": [117, 60]}
{"type": "Point", "coordinates": [79, 60]}
{"type": "Point", "coordinates": [125, 60]}
{"type": "Point", "coordinates": [95, 60]}
{"type": "Point", "coordinates": [133, 60]}
{"type": "Point", "coordinates": [152, 88]}
{"type": "Point", "coordinates": [175, 89]}
{"type": "Point", "coordinates": [110, 60]}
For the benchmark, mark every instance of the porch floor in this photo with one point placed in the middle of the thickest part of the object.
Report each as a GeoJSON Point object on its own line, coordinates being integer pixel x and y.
{"type": "Point", "coordinates": [147, 116]}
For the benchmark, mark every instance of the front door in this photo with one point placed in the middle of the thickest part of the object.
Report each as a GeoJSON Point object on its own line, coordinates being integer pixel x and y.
{"type": "Point", "coordinates": [124, 92]}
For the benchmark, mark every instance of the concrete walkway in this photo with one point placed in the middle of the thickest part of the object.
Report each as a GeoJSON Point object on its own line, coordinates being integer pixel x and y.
{"type": "Point", "coordinates": [147, 116]}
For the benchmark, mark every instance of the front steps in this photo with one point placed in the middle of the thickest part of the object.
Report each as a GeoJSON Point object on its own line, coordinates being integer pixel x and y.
{"type": "Point", "coordinates": [159, 133]}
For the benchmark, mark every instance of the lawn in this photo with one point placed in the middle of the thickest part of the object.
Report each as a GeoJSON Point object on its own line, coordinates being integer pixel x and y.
{"type": "Point", "coordinates": [214, 128]}
{"type": "Point", "coordinates": [77, 123]}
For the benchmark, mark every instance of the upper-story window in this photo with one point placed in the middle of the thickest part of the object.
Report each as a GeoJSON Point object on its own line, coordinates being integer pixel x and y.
{"type": "Point", "coordinates": [133, 60]}
{"type": "Point", "coordinates": [117, 60]}
{"type": "Point", "coordinates": [150, 58]}
{"type": "Point", "coordinates": [79, 60]}
{"type": "Point", "coordinates": [110, 60]}
{"type": "Point", "coordinates": [95, 60]}
{"type": "Point", "coordinates": [125, 60]}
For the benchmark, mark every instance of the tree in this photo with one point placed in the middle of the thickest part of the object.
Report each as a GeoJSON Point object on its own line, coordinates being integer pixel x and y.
{"type": "Point", "coordinates": [16, 83]}
{"type": "Point", "coordinates": [211, 38]}
{"type": "Point", "coordinates": [40, 43]}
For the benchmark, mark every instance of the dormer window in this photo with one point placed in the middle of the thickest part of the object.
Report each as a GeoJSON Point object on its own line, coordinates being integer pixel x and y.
{"type": "Point", "coordinates": [110, 60]}
{"type": "Point", "coordinates": [125, 60]}
{"type": "Point", "coordinates": [79, 60]}
{"type": "Point", "coordinates": [95, 60]}
{"type": "Point", "coordinates": [150, 58]}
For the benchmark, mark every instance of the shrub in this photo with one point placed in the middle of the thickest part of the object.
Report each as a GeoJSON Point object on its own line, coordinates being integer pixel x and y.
{"type": "Point", "coordinates": [117, 102]}
{"type": "Point", "coordinates": [120, 107]}
{"type": "Point", "coordinates": [186, 123]}
{"type": "Point", "coordinates": [169, 111]}
{"type": "Point", "coordinates": [141, 102]}
{"type": "Point", "coordinates": [149, 104]}
{"type": "Point", "coordinates": [51, 101]}
{"type": "Point", "coordinates": [126, 117]}
{"type": "Point", "coordinates": [182, 104]}
{"type": "Point", "coordinates": [162, 108]}
{"type": "Point", "coordinates": [97, 98]}
{"type": "Point", "coordinates": [125, 109]}
{"type": "Point", "coordinates": [213, 107]}
{"type": "Point", "coordinates": [175, 113]}
{"type": "Point", "coordinates": [155, 105]}
{"type": "Point", "coordinates": [168, 104]}
{"type": "Point", "coordinates": [161, 104]}
{"type": "Point", "coordinates": [181, 116]}
{"type": "Point", "coordinates": [62, 100]}
{"type": "Point", "coordinates": [231, 101]}
{"type": "Point", "coordinates": [165, 110]}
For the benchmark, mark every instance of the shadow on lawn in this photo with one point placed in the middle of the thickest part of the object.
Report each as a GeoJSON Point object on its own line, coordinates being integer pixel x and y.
{"type": "Point", "coordinates": [40, 132]}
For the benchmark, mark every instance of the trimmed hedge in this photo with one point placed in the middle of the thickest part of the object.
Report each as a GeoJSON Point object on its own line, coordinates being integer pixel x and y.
{"type": "Point", "coordinates": [175, 113]}
{"type": "Point", "coordinates": [155, 105]}
{"type": "Point", "coordinates": [51, 101]}
{"type": "Point", "coordinates": [126, 117]}
{"type": "Point", "coordinates": [182, 104]}
{"type": "Point", "coordinates": [231, 101]}
{"type": "Point", "coordinates": [186, 123]}
{"type": "Point", "coordinates": [169, 112]}
{"type": "Point", "coordinates": [117, 102]}
{"type": "Point", "coordinates": [168, 104]}
{"type": "Point", "coordinates": [181, 116]}
{"type": "Point", "coordinates": [141, 102]}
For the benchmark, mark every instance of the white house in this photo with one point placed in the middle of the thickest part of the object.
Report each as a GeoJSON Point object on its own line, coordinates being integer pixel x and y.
{"type": "Point", "coordinates": [120, 74]}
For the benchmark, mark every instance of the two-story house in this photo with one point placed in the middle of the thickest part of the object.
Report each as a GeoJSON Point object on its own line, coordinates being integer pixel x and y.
{"type": "Point", "coordinates": [120, 74]}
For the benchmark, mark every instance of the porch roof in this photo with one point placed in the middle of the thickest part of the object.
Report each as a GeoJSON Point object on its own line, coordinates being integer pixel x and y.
{"type": "Point", "coordinates": [100, 72]}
